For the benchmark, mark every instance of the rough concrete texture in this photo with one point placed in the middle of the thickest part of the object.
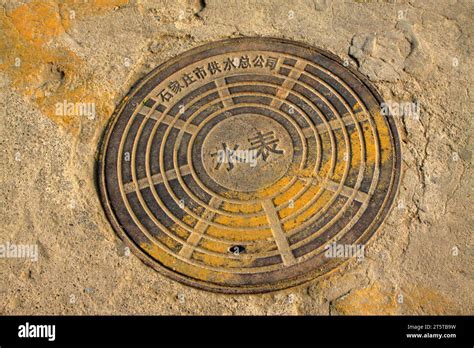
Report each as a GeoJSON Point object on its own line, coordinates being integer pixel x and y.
{"type": "Point", "coordinates": [419, 262]}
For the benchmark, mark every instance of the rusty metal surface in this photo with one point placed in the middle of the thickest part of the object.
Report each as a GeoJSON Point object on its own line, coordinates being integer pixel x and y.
{"type": "Point", "coordinates": [233, 166]}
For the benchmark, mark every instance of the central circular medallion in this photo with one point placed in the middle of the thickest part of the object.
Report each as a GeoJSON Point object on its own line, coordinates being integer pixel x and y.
{"type": "Point", "coordinates": [247, 152]}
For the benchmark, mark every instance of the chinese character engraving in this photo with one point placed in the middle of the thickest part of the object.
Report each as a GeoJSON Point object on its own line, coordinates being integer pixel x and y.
{"type": "Point", "coordinates": [225, 155]}
{"type": "Point", "coordinates": [244, 62]}
{"type": "Point", "coordinates": [229, 64]}
{"type": "Point", "coordinates": [175, 86]}
{"type": "Point", "coordinates": [188, 79]}
{"type": "Point", "coordinates": [200, 72]}
{"type": "Point", "coordinates": [213, 67]}
{"type": "Point", "coordinates": [165, 95]}
{"type": "Point", "coordinates": [265, 143]}
{"type": "Point", "coordinates": [271, 63]}
{"type": "Point", "coordinates": [258, 61]}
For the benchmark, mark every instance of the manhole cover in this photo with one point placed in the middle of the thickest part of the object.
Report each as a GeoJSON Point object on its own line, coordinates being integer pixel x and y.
{"type": "Point", "coordinates": [235, 166]}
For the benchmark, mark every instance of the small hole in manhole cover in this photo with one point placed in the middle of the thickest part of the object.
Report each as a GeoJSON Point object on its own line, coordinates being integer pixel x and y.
{"type": "Point", "coordinates": [237, 249]}
{"type": "Point", "coordinates": [267, 147]}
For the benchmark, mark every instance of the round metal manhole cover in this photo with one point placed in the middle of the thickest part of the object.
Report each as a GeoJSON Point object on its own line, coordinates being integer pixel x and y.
{"type": "Point", "coordinates": [237, 165]}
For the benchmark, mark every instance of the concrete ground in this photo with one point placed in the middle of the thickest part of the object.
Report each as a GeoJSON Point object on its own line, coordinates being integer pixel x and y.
{"type": "Point", "coordinates": [419, 262]}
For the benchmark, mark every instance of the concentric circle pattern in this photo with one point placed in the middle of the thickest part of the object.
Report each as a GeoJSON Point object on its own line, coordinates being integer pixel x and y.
{"type": "Point", "coordinates": [234, 166]}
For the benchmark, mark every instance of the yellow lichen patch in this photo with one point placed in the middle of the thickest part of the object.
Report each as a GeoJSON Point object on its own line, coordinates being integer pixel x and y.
{"type": "Point", "coordinates": [324, 170]}
{"type": "Point", "coordinates": [308, 213]}
{"type": "Point", "coordinates": [189, 220]}
{"type": "Point", "coordinates": [290, 193]}
{"type": "Point", "coordinates": [241, 221]}
{"type": "Point", "coordinates": [383, 131]}
{"type": "Point", "coordinates": [356, 108]}
{"type": "Point", "coordinates": [264, 193]}
{"type": "Point", "coordinates": [211, 245]}
{"type": "Point", "coordinates": [216, 261]}
{"type": "Point", "coordinates": [241, 208]}
{"type": "Point", "coordinates": [306, 196]}
{"type": "Point", "coordinates": [303, 173]}
{"type": "Point", "coordinates": [372, 300]}
{"type": "Point", "coordinates": [179, 231]}
{"type": "Point", "coordinates": [275, 188]}
{"type": "Point", "coordinates": [236, 221]}
{"type": "Point", "coordinates": [356, 153]}
{"type": "Point", "coordinates": [182, 267]}
{"type": "Point", "coordinates": [223, 248]}
{"type": "Point", "coordinates": [169, 242]}
{"type": "Point", "coordinates": [239, 236]}
{"type": "Point", "coordinates": [160, 254]}
{"type": "Point", "coordinates": [326, 165]}
{"type": "Point", "coordinates": [47, 74]}
{"type": "Point", "coordinates": [341, 162]}
{"type": "Point", "coordinates": [376, 300]}
{"type": "Point", "coordinates": [301, 202]}
{"type": "Point", "coordinates": [370, 148]}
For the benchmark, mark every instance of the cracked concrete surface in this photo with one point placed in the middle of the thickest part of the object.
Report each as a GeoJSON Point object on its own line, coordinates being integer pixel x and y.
{"type": "Point", "coordinates": [420, 261]}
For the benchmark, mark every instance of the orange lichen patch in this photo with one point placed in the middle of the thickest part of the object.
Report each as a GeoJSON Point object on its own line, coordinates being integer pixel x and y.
{"type": "Point", "coordinates": [38, 22]}
{"type": "Point", "coordinates": [422, 300]}
{"type": "Point", "coordinates": [49, 76]}
{"type": "Point", "coordinates": [372, 300]}
{"type": "Point", "coordinates": [375, 300]}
